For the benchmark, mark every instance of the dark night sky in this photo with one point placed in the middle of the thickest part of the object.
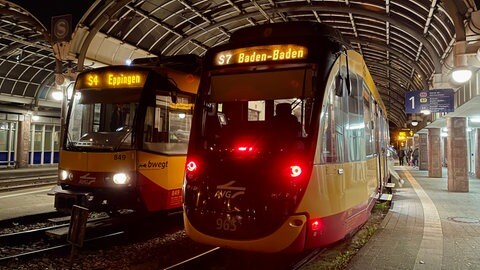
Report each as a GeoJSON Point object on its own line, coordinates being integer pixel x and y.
{"type": "Point", "coordinates": [43, 10]}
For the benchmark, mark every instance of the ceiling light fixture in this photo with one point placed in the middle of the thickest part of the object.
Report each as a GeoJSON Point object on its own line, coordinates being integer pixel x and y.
{"type": "Point", "coordinates": [426, 112]}
{"type": "Point", "coordinates": [461, 75]}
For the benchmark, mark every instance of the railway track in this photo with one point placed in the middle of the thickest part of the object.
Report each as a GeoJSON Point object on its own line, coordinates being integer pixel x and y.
{"type": "Point", "coordinates": [17, 180]}
{"type": "Point", "coordinates": [50, 238]}
{"type": "Point", "coordinates": [124, 229]}
{"type": "Point", "coordinates": [219, 258]}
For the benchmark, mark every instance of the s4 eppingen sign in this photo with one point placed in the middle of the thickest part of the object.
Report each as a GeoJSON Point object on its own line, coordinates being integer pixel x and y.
{"type": "Point", "coordinates": [434, 100]}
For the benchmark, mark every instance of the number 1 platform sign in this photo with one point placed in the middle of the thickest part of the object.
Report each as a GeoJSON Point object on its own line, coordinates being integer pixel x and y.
{"type": "Point", "coordinates": [434, 100]}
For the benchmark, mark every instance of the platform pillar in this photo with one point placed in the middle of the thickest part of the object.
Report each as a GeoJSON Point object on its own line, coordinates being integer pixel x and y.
{"type": "Point", "coordinates": [434, 153]}
{"type": "Point", "coordinates": [423, 151]}
{"type": "Point", "coordinates": [23, 141]}
{"type": "Point", "coordinates": [477, 155]}
{"type": "Point", "coordinates": [457, 154]}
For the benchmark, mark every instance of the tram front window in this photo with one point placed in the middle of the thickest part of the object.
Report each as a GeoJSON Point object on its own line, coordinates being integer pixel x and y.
{"type": "Point", "coordinates": [245, 108]}
{"type": "Point", "coordinates": [96, 123]}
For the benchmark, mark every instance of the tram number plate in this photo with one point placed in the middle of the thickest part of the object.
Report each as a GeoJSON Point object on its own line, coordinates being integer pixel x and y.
{"type": "Point", "coordinates": [227, 224]}
{"type": "Point", "coordinates": [119, 157]}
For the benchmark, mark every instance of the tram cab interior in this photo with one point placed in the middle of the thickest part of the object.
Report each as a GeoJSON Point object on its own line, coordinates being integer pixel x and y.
{"type": "Point", "coordinates": [107, 123]}
{"type": "Point", "coordinates": [265, 105]}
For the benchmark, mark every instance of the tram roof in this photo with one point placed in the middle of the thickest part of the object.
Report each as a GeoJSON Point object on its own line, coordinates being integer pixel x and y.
{"type": "Point", "coordinates": [404, 42]}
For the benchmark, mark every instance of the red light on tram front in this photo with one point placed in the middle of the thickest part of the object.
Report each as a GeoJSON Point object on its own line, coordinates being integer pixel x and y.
{"type": "Point", "coordinates": [315, 224]}
{"type": "Point", "coordinates": [191, 172]}
{"type": "Point", "coordinates": [244, 149]}
{"type": "Point", "coordinates": [191, 166]}
{"type": "Point", "coordinates": [295, 171]}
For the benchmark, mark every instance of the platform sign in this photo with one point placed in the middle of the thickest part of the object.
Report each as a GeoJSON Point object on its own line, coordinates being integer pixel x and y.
{"type": "Point", "coordinates": [441, 100]}
{"type": "Point", "coordinates": [435, 100]}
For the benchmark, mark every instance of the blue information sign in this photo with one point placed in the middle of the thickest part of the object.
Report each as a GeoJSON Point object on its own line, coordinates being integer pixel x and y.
{"type": "Point", "coordinates": [435, 100]}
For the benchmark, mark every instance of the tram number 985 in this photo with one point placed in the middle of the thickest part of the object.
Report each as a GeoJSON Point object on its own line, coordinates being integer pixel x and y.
{"type": "Point", "coordinates": [226, 224]}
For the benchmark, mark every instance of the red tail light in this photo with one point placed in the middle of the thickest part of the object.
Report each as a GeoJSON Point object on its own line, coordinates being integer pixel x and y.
{"type": "Point", "coordinates": [191, 166]}
{"type": "Point", "coordinates": [315, 224]}
{"type": "Point", "coordinates": [295, 171]}
{"type": "Point", "coordinates": [191, 172]}
{"type": "Point", "coordinates": [244, 149]}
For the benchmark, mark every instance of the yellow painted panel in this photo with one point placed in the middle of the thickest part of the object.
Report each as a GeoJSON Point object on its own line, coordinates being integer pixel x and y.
{"type": "Point", "coordinates": [330, 193]}
{"type": "Point", "coordinates": [76, 161]}
{"type": "Point", "coordinates": [275, 242]}
{"type": "Point", "coordinates": [97, 162]}
{"type": "Point", "coordinates": [165, 171]}
{"type": "Point", "coordinates": [112, 161]}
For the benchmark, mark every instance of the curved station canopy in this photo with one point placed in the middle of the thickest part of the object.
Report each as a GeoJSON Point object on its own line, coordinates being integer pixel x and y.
{"type": "Point", "coordinates": [405, 43]}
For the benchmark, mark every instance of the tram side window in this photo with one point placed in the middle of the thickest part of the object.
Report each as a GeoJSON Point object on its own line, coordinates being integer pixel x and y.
{"type": "Point", "coordinates": [333, 121]}
{"type": "Point", "coordinates": [356, 127]}
{"type": "Point", "coordinates": [167, 125]}
{"type": "Point", "coordinates": [368, 122]}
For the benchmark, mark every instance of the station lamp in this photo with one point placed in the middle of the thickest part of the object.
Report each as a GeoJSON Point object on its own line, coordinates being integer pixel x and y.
{"type": "Point", "coordinates": [461, 75]}
{"type": "Point", "coordinates": [57, 95]}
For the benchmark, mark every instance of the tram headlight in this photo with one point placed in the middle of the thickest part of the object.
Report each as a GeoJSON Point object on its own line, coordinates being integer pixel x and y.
{"type": "Point", "coordinates": [63, 175]}
{"type": "Point", "coordinates": [120, 178]}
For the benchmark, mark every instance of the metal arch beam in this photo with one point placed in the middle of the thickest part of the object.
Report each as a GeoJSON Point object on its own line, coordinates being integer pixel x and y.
{"type": "Point", "coordinates": [393, 76]}
{"type": "Point", "coordinates": [397, 105]}
{"type": "Point", "coordinates": [392, 70]}
{"type": "Point", "coordinates": [388, 91]}
{"type": "Point", "coordinates": [400, 105]}
{"type": "Point", "coordinates": [454, 9]}
{"type": "Point", "coordinates": [27, 18]}
{"type": "Point", "coordinates": [38, 26]}
{"type": "Point", "coordinates": [383, 79]}
{"type": "Point", "coordinates": [396, 113]}
{"type": "Point", "coordinates": [394, 106]}
{"type": "Point", "coordinates": [107, 13]}
{"type": "Point", "coordinates": [324, 8]}
{"type": "Point", "coordinates": [396, 116]}
{"type": "Point", "coordinates": [394, 53]}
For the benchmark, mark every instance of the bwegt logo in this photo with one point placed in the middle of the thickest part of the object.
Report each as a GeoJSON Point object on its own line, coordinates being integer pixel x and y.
{"type": "Point", "coordinates": [154, 164]}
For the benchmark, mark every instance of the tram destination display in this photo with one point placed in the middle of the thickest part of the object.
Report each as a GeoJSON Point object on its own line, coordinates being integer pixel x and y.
{"type": "Point", "coordinates": [260, 54]}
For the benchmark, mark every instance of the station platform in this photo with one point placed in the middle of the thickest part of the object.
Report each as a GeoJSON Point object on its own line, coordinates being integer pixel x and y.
{"type": "Point", "coordinates": [28, 201]}
{"type": "Point", "coordinates": [427, 227]}
{"type": "Point", "coordinates": [32, 171]}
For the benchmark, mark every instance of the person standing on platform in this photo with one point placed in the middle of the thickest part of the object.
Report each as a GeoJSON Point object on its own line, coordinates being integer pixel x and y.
{"type": "Point", "coordinates": [409, 157]}
{"type": "Point", "coordinates": [415, 157]}
{"type": "Point", "coordinates": [401, 156]}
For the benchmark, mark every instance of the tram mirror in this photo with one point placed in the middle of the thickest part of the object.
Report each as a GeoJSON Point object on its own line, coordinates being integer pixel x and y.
{"type": "Point", "coordinates": [339, 84]}
{"type": "Point", "coordinates": [210, 108]}
{"type": "Point", "coordinates": [173, 95]}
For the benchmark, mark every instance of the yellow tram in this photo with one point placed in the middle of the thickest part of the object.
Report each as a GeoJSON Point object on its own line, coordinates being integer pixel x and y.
{"type": "Point", "coordinates": [127, 130]}
{"type": "Point", "coordinates": [287, 148]}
